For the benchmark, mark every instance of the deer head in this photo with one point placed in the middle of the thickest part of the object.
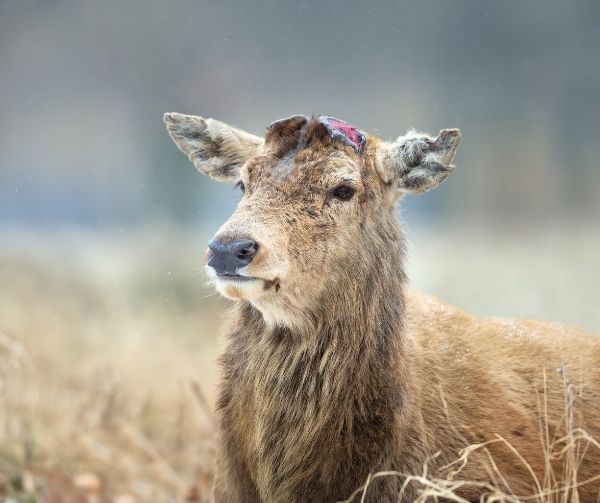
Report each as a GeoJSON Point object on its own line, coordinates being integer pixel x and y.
{"type": "Point", "coordinates": [317, 211]}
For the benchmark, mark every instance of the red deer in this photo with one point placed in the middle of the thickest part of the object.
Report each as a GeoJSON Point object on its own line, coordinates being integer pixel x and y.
{"type": "Point", "coordinates": [333, 370]}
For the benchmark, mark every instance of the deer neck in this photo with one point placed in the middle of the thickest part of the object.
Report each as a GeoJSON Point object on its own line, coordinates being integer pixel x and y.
{"type": "Point", "coordinates": [352, 352]}
{"type": "Point", "coordinates": [320, 399]}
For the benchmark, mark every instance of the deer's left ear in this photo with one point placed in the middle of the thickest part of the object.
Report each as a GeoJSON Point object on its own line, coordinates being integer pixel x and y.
{"type": "Point", "coordinates": [417, 162]}
{"type": "Point", "coordinates": [216, 149]}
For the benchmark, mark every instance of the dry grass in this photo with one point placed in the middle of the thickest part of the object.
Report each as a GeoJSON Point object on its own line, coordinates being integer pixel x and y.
{"type": "Point", "coordinates": [107, 369]}
{"type": "Point", "coordinates": [107, 375]}
{"type": "Point", "coordinates": [563, 487]}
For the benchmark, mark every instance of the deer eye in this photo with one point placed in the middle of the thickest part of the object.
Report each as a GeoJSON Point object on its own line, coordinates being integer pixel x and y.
{"type": "Point", "coordinates": [343, 192]}
{"type": "Point", "coordinates": [240, 185]}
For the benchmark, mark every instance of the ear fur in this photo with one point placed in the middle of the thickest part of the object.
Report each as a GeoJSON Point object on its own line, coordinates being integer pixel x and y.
{"type": "Point", "coordinates": [417, 162]}
{"type": "Point", "coordinates": [216, 149]}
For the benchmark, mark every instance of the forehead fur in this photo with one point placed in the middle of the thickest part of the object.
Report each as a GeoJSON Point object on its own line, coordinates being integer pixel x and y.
{"type": "Point", "coordinates": [298, 132]}
{"type": "Point", "coordinates": [306, 149]}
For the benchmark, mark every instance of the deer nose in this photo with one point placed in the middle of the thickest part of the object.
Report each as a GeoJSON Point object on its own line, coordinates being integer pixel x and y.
{"type": "Point", "coordinates": [227, 258]}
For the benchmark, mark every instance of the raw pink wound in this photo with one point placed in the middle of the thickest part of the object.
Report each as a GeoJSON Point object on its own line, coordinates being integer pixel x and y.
{"type": "Point", "coordinates": [347, 130]}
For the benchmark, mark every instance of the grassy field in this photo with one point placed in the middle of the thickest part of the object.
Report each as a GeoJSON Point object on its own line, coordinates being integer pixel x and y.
{"type": "Point", "coordinates": [108, 348]}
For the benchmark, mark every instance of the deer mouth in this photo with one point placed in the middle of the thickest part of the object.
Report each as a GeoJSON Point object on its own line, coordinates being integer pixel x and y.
{"type": "Point", "coordinates": [236, 277]}
{"type": "Point", "coordinates": [237, 286]}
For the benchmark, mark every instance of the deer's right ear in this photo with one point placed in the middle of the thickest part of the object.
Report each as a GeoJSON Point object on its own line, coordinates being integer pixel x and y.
{"type": "Point", "coordinates": [417, 162]}
{"type": "Point", "coordinates": [216, 149]}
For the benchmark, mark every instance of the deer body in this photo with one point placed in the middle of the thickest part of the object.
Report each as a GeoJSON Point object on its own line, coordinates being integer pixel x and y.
{"type": "Point", "coordinates": [334, 371]}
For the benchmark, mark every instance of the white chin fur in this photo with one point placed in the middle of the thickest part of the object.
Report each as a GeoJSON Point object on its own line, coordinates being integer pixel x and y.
{"type": "Point", "coordinates": [254, 292]}
{"type": "Point", "coordinates": [235, 289]}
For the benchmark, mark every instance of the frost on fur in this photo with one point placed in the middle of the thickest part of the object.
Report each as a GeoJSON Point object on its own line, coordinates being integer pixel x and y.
{"type": "Point", "coordinates": [417, 162]}
{"type": "Point", "coordinates": [216, 149]}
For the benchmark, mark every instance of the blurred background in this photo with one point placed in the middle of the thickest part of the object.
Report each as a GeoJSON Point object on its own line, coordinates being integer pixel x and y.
{"type": "Point", "coordinates": [108, 332]}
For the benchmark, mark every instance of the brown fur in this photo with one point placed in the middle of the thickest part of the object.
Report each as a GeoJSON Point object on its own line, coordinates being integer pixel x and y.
{"type": "Point", "coordinates": [333, 371]}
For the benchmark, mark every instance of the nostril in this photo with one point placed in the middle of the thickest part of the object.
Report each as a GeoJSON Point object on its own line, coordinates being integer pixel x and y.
{"type": "Point", "coordinates": [250, 250]}
{"type": "Point", "coordinates": [227, 257]}
{"type": "Point", "coordinates": [247, 250]}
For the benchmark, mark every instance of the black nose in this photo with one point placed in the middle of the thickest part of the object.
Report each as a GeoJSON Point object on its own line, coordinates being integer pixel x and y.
{"type": "Point", "coordinates": [227, 258]}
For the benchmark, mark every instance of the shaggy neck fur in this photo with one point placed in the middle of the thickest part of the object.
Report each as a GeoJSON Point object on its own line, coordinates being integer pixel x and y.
{"type": "Point", "coordinates": [316, 411]}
